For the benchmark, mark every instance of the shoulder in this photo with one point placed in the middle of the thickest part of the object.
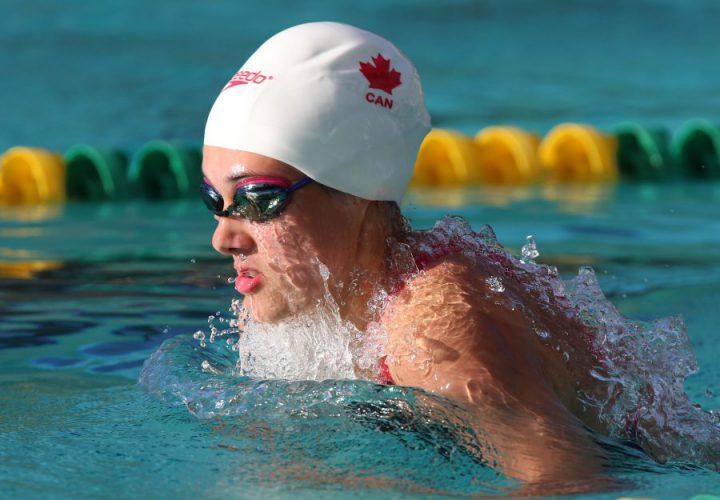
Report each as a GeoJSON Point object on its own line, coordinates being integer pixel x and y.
{"type": "Point", "coordinates": [446, 289]}
{"type": "Point", "coordinates": [446, 292]}
{"type": "Point", "coordinates": [449, 331]}
{"type": "Point", "coordinates": [434, 322]}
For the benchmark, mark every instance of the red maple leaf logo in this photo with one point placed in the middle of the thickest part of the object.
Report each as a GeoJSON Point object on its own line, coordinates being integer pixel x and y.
{"type": "Point", "coordinates": [379, 75]}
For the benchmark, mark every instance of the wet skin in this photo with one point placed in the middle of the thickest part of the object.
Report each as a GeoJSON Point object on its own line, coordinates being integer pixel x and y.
{"type": "Point", "coordinates": [443, 335]}
{"type": "Point", "coordinates": [447, 337]}
{"type": "Point", "coordinates": [317, 226]}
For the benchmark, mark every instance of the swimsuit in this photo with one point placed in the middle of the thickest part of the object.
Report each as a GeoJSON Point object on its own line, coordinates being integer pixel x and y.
{"type": "Point", "coordinates": [385, 378]}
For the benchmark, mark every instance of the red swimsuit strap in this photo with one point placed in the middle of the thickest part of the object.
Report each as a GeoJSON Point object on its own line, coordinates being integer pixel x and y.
{"type": "Point", "coordinates": [385, 377]}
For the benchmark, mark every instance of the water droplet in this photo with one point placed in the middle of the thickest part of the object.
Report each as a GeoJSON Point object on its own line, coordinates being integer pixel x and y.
{"type": "Point", "coordinates": [566, 357]}
{"type": "Point", "coordinates": [199, 335]}
{"type": "Point", "coordinates": [219, 404]}
{"type": "Point", "coordinates": [495, 284]}
{"type": "Point", "coordinates": [324, 272]}
{"type": "Point", "coordinates": [543, 335]}
{"type": "Point", "coordinates": [193, 261]}
{"type": "Point", "coordinates": [529, 250]}
{"type": "Point", "coordinates": [231, 280]}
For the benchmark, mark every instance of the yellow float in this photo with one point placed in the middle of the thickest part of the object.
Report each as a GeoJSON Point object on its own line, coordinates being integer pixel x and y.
{"type": "Point", "coordinates": [31, 175]}
{"type": "Point", "coordinates": [508, 155]}
{"type": "Point", "coordinates": [572, 152]}
{"type": "Point", "coordinates": [447, 158]}
{"type": "Point", "coordinates": [27, 270]}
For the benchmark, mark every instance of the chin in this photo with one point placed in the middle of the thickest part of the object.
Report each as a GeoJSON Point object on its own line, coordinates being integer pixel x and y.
{"type": "Point", "coordinates": [278, 307]}
{"type": "Point", "coordinates": [266, 311]}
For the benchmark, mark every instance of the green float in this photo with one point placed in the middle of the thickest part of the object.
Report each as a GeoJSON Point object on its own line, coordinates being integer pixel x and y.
{"type": "Point", "coordinates": [697, 149]}
{"type": "Point", "coordinates": [95, 174]}
{"type": "Point", "coordinates": [643, 153]}
{"type": "Point", "coordinates": [165, 170]}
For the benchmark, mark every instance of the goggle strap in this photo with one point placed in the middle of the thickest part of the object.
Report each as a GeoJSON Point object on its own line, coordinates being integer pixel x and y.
{"type": "Point", "coordinates": [299, 184]}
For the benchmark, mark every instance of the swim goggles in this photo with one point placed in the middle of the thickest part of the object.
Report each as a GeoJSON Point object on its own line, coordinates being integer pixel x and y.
{"type": "Point", "coordinates": [257, 199]}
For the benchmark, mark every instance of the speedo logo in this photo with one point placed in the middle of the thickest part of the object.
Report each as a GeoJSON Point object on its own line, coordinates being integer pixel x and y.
{"type": "Point", "coordinates": [245, 77]}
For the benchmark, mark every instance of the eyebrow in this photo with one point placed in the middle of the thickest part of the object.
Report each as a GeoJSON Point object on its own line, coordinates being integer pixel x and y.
{"type": "Point", "coordinates": [238, 176]}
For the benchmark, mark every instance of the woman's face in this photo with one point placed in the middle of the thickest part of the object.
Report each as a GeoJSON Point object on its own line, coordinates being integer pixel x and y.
{"type": "Point", "coordinates": [278, 261]}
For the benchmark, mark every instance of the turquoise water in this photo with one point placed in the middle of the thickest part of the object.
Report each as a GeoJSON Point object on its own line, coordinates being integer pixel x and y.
{"type": "Point", "coordinates": [124, 278]}
{"type": "Point", "coordinates": [72, 341]}
{"type": "Point", "coordinates": [120, 72]}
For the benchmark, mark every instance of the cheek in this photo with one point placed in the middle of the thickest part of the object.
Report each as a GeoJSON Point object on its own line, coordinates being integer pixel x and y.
{"type": "Point", "coordinates": [292, 258]}
{"type": "Point", "coordinates": [330, 231]}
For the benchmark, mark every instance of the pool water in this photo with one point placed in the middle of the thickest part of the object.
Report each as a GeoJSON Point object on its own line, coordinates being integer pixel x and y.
{"type": "Point", "coordinates": [88, 292]}
{"type": "Point", "coordinates": [119, 73]}
{"type": "Point", "coordinates": [121, 279]}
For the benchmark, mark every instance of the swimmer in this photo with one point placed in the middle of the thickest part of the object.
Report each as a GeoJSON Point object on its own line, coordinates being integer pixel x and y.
{"type": "Point", "coordinates": [308, 151]}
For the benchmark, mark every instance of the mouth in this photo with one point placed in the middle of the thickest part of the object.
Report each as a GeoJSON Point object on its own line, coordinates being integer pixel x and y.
{"type": "Point", "coordinates": [247, 280]}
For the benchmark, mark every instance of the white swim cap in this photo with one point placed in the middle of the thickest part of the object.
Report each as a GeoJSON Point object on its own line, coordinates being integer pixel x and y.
{"type": "Point", "coordinates": [340, 104]}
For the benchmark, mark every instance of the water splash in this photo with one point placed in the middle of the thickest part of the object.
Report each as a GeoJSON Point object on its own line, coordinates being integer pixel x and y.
{"type": "Point", "coordinates": [333, 425]}
{"type": "Point", "coordinates": [314, 345]}
{"type": "Point", "coordinates": [629, 374]}
{"type": "Point", "coordinates": [495, 284]}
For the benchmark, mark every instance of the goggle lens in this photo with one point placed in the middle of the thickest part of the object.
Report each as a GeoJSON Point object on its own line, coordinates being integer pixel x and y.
{"type": "Point", "coordinates": [211, 197]}
{"type": "Point", "coordinates": [257, 202]}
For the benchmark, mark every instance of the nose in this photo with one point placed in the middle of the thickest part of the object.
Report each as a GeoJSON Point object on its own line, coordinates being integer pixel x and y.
{"type": "Point", "coordinates": [232, 237]}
